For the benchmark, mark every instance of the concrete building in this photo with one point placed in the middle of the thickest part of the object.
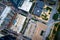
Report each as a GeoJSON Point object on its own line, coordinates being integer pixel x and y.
{"type": "Point", "coordinates": [9, 19]}
{"type": "Point", "coordinates": [38, 8]}
{"type": "Point", "coordinates": [39, 31]}
{"type": "Point", "coordinates": [5, 15]}
{"type": "Point", "coordinates": [18, 23]}
{"type": "Point", "coordinates": [26, 6]}
{"type": "Point", "coordinates": [30, 29]}
{"type": "Point", "coordinates": [22, 4]}
{"type": "Point", "coordinates": [35, 30]}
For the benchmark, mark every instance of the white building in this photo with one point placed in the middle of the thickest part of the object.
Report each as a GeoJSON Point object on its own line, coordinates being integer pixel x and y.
{"type": "Point", "coordinates": [26, 6]}
{"type": "Point", "coordinates": [4, 11]}
{"type": "Point", "coordinates": [18, 23]}
{"type": "Point", "coordinates": [6, 15]}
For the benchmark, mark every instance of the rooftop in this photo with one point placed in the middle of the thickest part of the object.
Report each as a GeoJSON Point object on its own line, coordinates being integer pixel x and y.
{"type": "Point", "coordinates": [34, 30]}
{"type": "Point", "coordinates": [38, 8]}
{"type": "Point", "coordinates": [39, 31]}
{"type": "Point", "coordinates": [4, 12]}
{"type": "Point", "coordinates": [26, 6]}
{"type": "Point", "coordinates": [18, 23]}
{"type": "Point", "coordinates": [30, 29]}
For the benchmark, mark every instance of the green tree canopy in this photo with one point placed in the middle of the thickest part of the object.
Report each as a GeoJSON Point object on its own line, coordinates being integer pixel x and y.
{"type": "Point", "coordinates": [55, 16]}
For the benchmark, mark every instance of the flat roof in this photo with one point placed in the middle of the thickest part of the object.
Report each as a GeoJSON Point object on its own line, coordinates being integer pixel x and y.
{"type": "Point", "coordinates": [4, 14]}
{"type": "Point", "coordinates": [30, 29]}
{"type": "Point", "coordinates": [34, 30]}
{"type": "Point", "coordinates": [19, 23]}
{"type": "Point", "coordinates": [40, 4]}
{"type": "Point", "coordinates": [17, 3]}
{"type": "Point", "coordinates": [26, 6]}
{"type": "Point", "coordinates": [38, 8]}
{"type": "Point", "coordinates": [37, 11]}
{"type": "Point", "coordinates": [40, 27]}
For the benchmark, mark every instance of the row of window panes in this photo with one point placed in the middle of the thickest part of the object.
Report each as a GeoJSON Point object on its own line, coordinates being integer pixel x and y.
{"type": "Point", "coordinates": [8, 18]}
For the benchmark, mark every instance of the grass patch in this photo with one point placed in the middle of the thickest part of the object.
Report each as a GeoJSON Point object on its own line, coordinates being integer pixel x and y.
{"type": "Point", "coordinates": [44, 17]}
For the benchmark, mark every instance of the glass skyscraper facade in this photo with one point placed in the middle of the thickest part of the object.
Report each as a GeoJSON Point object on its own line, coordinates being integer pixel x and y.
{"type": "Point", "coordinates": [17, 3]}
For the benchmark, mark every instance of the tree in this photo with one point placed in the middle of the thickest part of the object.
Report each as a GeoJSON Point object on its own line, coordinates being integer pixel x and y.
{"type": "Point", "coordinates": [59, 9]}
{"type": "Point", "coordinates": [55, 16]}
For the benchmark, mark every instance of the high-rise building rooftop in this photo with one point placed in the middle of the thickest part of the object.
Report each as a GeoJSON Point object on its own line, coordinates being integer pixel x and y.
{"type": "Point", "coordinates": [6, 16]}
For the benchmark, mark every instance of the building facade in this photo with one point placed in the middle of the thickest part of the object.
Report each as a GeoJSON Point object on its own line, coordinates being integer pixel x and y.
{"type": "Point", "coordinates": [17, 3]}
{"type": "Point", "coordinates": [6, 16]}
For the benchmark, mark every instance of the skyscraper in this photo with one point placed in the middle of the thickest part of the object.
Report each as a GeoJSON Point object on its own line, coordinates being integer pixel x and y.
{"type": "Point", "coordinates": [6, 15]}
{"type": "Point", "coordinates": [17, 3]}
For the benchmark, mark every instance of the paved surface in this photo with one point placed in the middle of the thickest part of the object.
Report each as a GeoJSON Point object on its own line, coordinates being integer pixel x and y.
{"type": "Point", "coordinates": [50, 22]}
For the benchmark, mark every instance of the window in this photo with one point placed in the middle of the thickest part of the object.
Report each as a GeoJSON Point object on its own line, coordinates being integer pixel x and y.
{"type": "Point", "coordinates": [0, 18]}
{"type": "Point", "coordinates": [42, 32]}
{"type": "Point", "coordinates": [20, 3]}
{"type": "Point", "coordinates": [14, 21]}
{"type": "Point", "coordinates": [15, 1]}
{"type": "Point", "coordinates": [11, 14]}
{"type": "Point", "coordinates": [3, 24]}
{"type": "Point", "coordinates": [7, 20]}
